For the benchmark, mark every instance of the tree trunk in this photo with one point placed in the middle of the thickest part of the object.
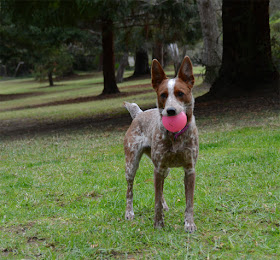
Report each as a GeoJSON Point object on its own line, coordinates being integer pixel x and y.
{"type": "Point", "coordinates": [212, 50]}
{"type": "Point", "coordinates": [17, 68]}
{"type": "Point", "coordinates": [110, 86]}
{"type": "Point", "coordinates": [158, 52]}
{"type": "Point", "coordinates": [123, 64]}
{"type": "Point", "coordinates": [247, 65]}
{"type": "Point", "coordinates": [50, 78]}
{"type": "Point", "coordinates": [141, 62]}
{"type": "Point", "coordinates": [100, 62]}
{"type": "Point", "coordinates": [176, 56]}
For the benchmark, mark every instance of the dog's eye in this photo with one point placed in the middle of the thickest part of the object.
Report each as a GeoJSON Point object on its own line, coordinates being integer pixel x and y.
{"type": "Point", "coordinates": [163, 95]}
{"type": "Point", "coordinates": [180, 94]}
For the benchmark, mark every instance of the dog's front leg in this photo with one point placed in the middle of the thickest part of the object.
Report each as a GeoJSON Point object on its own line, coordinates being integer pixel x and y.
{"type": "Point", "coordinates": [159, 177]}
{"type": "Point", "coordinates": [189, 181]}
{"type": "Point", "coordinates": [164, 204]}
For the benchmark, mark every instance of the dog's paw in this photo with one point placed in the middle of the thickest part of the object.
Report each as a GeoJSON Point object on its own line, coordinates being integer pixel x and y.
{"type": "Point", "coordinates": [129, 215]}
{"type": "Point", "coordinates": [164, 205]}
{"type": "Point", "coordinates": [159, 224]}
{"type": "Point", "coordinates": [190, 227]}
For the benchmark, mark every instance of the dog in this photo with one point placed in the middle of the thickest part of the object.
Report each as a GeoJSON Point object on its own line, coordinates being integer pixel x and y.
{"type": "Point", "coordinates": [147, 135]}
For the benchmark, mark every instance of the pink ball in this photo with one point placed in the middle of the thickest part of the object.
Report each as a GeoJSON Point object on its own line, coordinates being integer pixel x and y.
{"type": "Point", "coordinates": [175, 123]}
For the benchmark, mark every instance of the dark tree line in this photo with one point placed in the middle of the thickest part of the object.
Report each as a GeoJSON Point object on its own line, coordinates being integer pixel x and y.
{"type": "Point", "coordinates": [38, 29]}
{"type": "Point", "coordinates": [160, 21]}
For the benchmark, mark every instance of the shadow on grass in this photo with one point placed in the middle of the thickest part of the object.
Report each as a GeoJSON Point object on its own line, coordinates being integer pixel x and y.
{"type": "Point", "coordinates": [231, 110]}
{"type": "Point", "coordinates": [80, 100]}
{"type": "Point", "coordinates": [8, 97]}
{"type": "Point", "coordinates": [18, 129]}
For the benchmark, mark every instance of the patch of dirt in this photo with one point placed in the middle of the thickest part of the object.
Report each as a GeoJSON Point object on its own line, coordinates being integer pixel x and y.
{"type": "Point", "coordinates": [35, 240]}
{"type": "Point", "coordinates": [92, 194]}
{"type": "Point", "coordinates": [20, 229]}
{"type": "Point", "coordinates": [16, 230]}
{"type": "Point", "coordinates": [6, 252]}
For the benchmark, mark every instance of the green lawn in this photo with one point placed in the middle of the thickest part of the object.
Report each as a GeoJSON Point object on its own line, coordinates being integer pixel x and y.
{"type": "Point", "coordinates": [63, 192]}
{"type": "Point", "coordinates": [27, 108]}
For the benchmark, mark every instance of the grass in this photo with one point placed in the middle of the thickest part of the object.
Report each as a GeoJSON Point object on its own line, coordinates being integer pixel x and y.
{"type": "Point", "coordinates": [62, 194]}
{"type": "Point", "coordinates": [22, 108]}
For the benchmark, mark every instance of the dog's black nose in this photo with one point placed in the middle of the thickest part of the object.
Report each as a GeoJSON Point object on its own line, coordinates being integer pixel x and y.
{"type": "Point", "coordinates": [171, 111]}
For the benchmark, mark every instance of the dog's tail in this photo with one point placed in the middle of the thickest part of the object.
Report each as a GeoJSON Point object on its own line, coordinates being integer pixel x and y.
{"type": "Point", "coordinates": [132, 108]}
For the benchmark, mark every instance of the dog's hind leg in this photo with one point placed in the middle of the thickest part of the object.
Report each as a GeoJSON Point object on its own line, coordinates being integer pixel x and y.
{"type": "Point", "coordinates": [189, 181]}
{"type": "Point", "coordinates": [132, 163]}
{"type": "Point", "coordinates": [129, 213]}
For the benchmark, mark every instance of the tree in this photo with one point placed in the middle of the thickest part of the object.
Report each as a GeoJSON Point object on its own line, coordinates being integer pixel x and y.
{"type": "Point", "coordinates": [122, 65]}
{"type": "Point", "coordinates": [110, 85]}
{"type": "Point", "coordinates": [161, 21]}
{"type": "Point", "coordinates": [212, 49]}
{"type": "Point", "coordinates": [173, 22]}
{"type": "Point", "coordinates": [154, 24]}
{"type": "Point", "coordinates": [247, 63]}
{"type": "Point", "coordinates": [105, 15]}
{"type": "Point", "coordinates": [36, 40]}
{"type": "Point", "coordinates": [274, 22]}
{"type": "Point", "coordinates": [53, 61]}
{"type": "Point", "coordinates": [141, 62]}
{"type": "Point", "coordinates": [92, 15]}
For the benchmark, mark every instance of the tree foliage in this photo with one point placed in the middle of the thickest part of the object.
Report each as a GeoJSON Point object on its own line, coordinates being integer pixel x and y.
{"type": "Point", "coordinates": [39, 29]}
{"type": "Point", "coordinates": [37, 35]}
{"type": "Point", "coordinates": [53, 61]}
{"type": "Point", "coordinates": [275, 37]}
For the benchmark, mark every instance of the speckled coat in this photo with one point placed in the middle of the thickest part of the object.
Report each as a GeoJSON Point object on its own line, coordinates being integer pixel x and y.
{"type": "Point", "coordinates": [147, 135]}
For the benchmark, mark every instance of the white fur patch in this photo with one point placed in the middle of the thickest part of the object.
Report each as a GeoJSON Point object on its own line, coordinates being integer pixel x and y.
{"type": "Point", "coordinates": [172, 101]}
{"type": "Point", "coordinates": [171, 97]}
{"type": "Point", "coordinates": [170, 86]}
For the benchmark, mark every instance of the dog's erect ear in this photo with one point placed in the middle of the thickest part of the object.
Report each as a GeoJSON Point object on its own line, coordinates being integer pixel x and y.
{"type": "Point", "coordinates": [158, 74]}
{"type": "Point", "coordinates": [186, 72]}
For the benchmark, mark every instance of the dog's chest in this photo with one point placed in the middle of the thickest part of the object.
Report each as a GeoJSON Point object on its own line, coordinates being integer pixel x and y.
{"type": "Point", "coordinates": [167, 153]}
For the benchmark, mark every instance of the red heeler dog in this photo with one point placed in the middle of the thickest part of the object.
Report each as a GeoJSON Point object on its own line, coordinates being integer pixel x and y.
{"type": "Point", "coordinates": [147, 135]}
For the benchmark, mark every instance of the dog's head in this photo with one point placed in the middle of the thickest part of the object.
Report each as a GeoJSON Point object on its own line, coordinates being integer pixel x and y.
{"type": "Point", "coordinates": [174, 95]}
